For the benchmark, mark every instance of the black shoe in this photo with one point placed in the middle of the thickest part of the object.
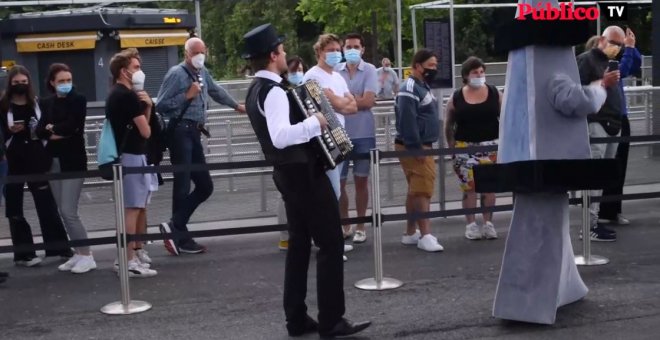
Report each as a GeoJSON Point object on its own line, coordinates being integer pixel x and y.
{"type": "Point", "coordinates": [169, 244]}
{"type": "Point", "coordinates": [3, 277]}
{"type": "Point", "coordinates": [603, 230]}
{"type": "Point", "coordinates": [310, 326]}
{"type": "Point", "coordinates": [344, 328]}
{"type": "Point", "coordinates": [597, 234]}
{"type": "Point", "coordinates": [192, 247]}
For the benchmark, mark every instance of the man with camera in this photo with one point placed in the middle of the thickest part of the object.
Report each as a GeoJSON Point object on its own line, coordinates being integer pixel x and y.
{"type": "Point", "coordinates": [601, 63]}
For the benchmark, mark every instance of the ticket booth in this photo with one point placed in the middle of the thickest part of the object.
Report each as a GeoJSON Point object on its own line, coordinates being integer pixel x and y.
{"type": "Point", "coordinates": [86, 39]}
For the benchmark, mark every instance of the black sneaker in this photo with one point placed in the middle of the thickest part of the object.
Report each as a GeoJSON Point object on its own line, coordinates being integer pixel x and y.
{"type": "Point", "coordinates": [3, 277]}
{"type": "Point", "coordinates": [602, 229]}
{"type": "Point", "coordinates": [599, 235]}
{"type": "Point", "coordinates": [170, 246]}
{"type": "Point", "coordinates": [192, 247]}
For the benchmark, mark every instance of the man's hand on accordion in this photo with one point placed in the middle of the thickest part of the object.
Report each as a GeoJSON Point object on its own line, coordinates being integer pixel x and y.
{"type": "Point", "coordinates": [322, 121]}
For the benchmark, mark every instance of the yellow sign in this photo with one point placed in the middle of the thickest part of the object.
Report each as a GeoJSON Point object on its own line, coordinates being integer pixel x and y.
{"type": "Point", "coordinates": [171, 20]}
{"type": "Point", "coordinates": [153, 38]}
{"type": "Point", "coordinates": [56, 42]}
{"type": "Point", "coordinates": [407, 71]}
{"type": "Point", "coordinates": [8, 63]}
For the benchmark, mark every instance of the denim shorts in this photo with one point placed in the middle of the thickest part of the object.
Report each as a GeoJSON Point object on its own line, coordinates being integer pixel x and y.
{"type": "Point", "coordinates": [361, 167]}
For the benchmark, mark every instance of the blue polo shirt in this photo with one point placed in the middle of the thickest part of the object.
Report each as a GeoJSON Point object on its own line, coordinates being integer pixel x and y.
{"type": "Point", "coordinates": [361, 124]}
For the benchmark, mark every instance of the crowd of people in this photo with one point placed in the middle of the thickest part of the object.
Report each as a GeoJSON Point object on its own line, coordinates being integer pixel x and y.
{"type": "Point", "coordinates": [46, 135]}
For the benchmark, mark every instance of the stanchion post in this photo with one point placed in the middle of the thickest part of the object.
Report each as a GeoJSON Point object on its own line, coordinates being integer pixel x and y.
{"type": "Point", "coordinates": [588, 259]}
{"type": "Point", "coordinates": [264, 200]}
{"type": "Point", "coordinates": [378, 282]}
{"type": "Point", "coordinates": [388, 146]}
{"type": "Point", "coordinates": [126, 305]}
{"type": "Point", "coordinates": [230, 152]}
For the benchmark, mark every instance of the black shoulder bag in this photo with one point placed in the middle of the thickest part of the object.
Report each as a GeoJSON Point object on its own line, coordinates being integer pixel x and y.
{"type": "Point", "coordinates": [171, 125]}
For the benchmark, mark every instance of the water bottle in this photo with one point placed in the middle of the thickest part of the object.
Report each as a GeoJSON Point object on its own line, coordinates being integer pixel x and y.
{"type": "Point", "coordinates": [33, 128]}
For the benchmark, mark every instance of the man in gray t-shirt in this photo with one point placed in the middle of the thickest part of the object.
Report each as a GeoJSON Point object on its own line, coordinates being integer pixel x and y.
{"type": "Point", "coordinates": [361, 79]}
{"type": "Point", "coordinates": [388, 81]}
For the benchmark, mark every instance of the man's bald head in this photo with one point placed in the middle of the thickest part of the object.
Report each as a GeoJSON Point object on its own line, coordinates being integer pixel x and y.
{"type": "Point", "coordinates": [194, 46]}
{"type": "Point", "coordinates": [614, 34]}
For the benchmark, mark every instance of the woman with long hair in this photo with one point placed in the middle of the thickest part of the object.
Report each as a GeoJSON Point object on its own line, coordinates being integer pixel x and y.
{"type": "Point", "coordinates": [63, 125]}
{"type": "Point", "coordinates": [26, 155]}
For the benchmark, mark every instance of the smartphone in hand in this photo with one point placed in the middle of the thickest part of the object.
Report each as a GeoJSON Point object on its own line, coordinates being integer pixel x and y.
{"type": "Point", "coordinates": [613, 65]}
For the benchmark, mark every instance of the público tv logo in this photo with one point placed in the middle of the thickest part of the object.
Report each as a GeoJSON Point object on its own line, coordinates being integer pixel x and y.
{"type": "Point", "coordinates": [567, 11]}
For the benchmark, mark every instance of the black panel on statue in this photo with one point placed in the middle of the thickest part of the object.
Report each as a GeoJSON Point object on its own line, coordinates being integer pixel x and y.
{"type": "Point", "coordinates": [547, 175]}
{"type": "Point", "coordinates": [437, 38]}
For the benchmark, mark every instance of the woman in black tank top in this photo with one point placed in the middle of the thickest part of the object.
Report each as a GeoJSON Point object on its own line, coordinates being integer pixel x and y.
{"type": "Point", "coordinates": [472, 119]}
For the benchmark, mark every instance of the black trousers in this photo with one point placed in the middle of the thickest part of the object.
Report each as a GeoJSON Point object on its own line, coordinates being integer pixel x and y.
{"type": "Point", "coordinates": [610, 210]}
{"type": "Point", "coordinates": [312, 212]}
{"type": "Point", "coordinates": [52, 228]}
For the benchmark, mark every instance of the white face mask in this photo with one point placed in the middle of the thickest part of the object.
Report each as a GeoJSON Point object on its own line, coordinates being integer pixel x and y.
{"type": "Point", "coordinates": [138, 80]}
{"type": "Point", "coordinates": [477, 82]}
{"type": "Point", "coordinates": [198, 61]}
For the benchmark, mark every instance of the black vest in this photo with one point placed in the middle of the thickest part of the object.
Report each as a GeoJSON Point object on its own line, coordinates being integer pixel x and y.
{"type": "Point", "coordinates": [254, 104]}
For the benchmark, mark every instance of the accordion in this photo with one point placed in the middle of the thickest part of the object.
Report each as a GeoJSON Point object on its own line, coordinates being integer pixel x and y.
{"type": "Point", "coordinates": [333, 143]}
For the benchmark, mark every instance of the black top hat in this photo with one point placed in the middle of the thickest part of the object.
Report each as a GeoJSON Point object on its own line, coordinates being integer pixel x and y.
{"type": "Point", "coordinates": [520, 33]}
{"type": "Point", "coordinates": [261, 40]}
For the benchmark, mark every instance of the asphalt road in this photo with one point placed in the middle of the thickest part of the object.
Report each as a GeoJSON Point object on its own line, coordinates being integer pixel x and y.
{"type": "Point", "coordinates": [235, 291]}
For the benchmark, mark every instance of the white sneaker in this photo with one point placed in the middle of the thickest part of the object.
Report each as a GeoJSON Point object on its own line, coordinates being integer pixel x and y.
{"type": "Point", "coordinates": [137, 269]}
{"type": "Point", "coordinates": [489, 231]}
{"type": "Point", "coordinates": [411, 240]}
{"type": "Point", "coordinates": [473, 232]}
{"type": "Point", "coordinates": [28, 263]}
{"type": "Point", "coordinates": [359, 237]}
{"type": "Point", "coordinates": [347, 248]}
{"type": "Point", "coordinates": [68, 265]}
{"type": "Point", "coordinates": [429, 243]}
{"type": "Point", "coordinates": [84, 264]}
{"type": "Point", "coordinates": [143, 256]}
{"type": "Point", "coordinates": [345, 258]}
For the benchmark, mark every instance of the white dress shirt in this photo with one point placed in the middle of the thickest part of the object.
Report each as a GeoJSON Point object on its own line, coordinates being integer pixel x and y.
{"type": "Point", "coordinates": [276, 111]}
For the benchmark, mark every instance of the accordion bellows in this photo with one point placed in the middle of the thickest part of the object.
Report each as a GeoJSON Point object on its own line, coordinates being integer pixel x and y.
{"type": "Point", "coordinates": [334, 143]}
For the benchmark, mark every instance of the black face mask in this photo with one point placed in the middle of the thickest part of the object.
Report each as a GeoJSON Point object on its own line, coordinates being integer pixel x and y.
{"type": "Point", "coordinates": [429, 75]}
{"type": "Point", "coordinates": [19, 89]}
{"type": "Point", "coordinates": [620, 54]}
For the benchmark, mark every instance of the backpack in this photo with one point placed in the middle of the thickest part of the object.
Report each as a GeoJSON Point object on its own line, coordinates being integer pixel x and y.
{"type": "Point", "coordinates": [107, 154]}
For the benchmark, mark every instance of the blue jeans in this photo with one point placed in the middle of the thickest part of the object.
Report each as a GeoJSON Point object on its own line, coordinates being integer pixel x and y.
{"type": "Point", "coordinates": [186, 148]}
{"type": "Point", "coordinates": [3, 174]}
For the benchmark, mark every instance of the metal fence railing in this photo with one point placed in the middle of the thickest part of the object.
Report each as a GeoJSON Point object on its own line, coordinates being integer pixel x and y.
{"type": "Point", "coordinates": [233, 140]}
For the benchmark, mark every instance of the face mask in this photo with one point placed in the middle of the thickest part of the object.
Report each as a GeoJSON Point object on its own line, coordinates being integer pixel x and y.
{"type": "Point", "coordinates": [64, 89]}
{"type": "Point", "coordinates": [198, 60]}
{"type": "Point", "coordinates": [611, 51]}
{"type": "Point", "coordinates": [477, 82]}
{"type": "Point", "coordinates": [619, 55]}
{"type": "Point", "coordinates": [386, 68]}
{"type": "Point", "coordinates": [138, 80]}
{"type": "Point", "coordinates": [20, 89]}
{"type": "Point", "coordinates": [429, 75]}
{"type": "Point", "coordinates": [295, 78]}
{"type": "Point", "coordinates": [352, 56]}
{"type": "Point", "coordinates": [332, 58]}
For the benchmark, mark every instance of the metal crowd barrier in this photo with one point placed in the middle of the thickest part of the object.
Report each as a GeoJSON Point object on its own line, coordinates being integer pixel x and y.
{"type": "Point", "coordinates": [233, 139]}
{"type": "Point", "coordinates": [377, 219]}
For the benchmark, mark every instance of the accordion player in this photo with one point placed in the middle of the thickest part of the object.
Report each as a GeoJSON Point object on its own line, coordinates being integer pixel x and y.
{"type": "Point", "coordinates": [333, 143]}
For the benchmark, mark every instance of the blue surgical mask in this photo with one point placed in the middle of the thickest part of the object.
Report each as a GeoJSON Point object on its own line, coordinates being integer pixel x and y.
{"type": "Point", "coordinates": [332, 58]}
{"type": "Point", "coordinates": [295, 78]}
{"type": "Point", "coordinates": [64, 88]}
{"type": "Point", "coordinates": [353, 56]}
